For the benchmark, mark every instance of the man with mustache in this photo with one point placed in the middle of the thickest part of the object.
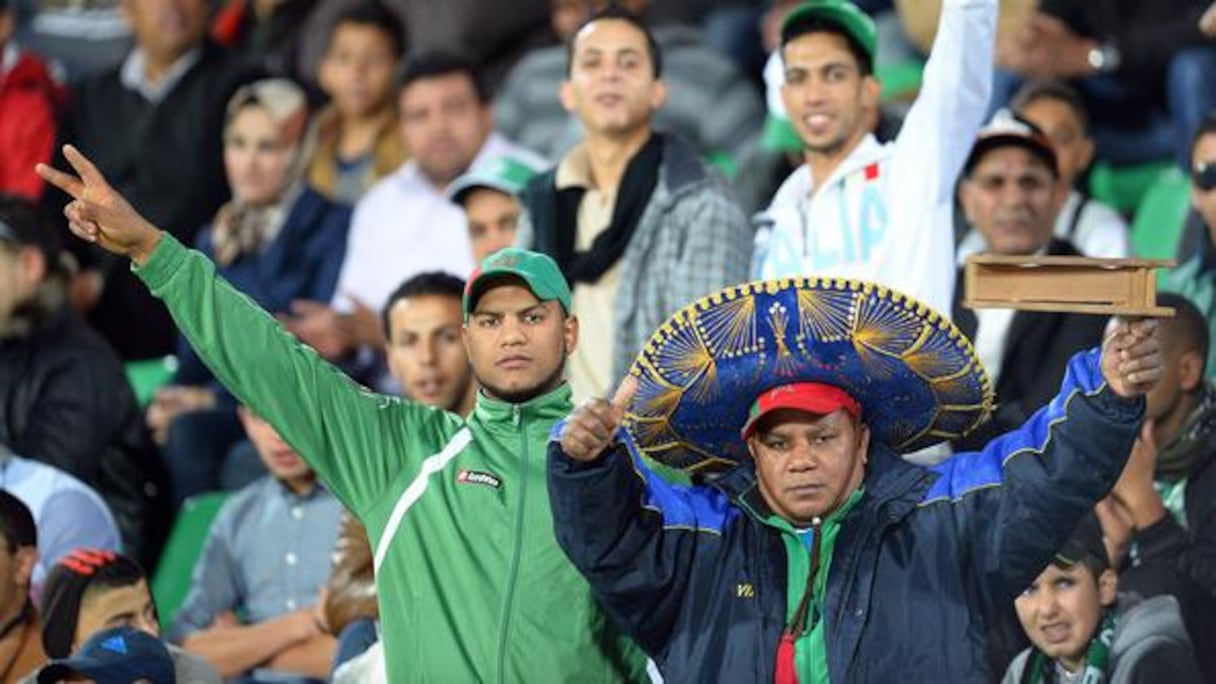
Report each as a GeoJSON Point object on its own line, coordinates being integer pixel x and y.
{"type": "Point", "coordinates": [470, 579]}
{"type": "Point", "coordinates": [816, 553]}
{"type": "Point", "coordinates": [1009, 193]}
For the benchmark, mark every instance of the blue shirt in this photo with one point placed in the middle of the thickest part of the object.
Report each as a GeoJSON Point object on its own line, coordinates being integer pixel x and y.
{"type": "Point", "coordinates": [67, 513]}
{"type": "Point", "coordinates": [268, 553]}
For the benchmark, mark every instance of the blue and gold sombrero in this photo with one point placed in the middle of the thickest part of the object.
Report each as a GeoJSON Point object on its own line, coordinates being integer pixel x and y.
{"type": "Point", "coordinates": [915, 375]}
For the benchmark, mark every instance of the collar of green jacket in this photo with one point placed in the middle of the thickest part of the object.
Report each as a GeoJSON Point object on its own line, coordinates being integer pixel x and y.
{"type": "Point", "coordinates": [553, 406]}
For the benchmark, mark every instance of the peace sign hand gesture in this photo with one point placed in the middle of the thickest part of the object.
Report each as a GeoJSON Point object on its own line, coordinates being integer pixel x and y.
{"type": "Point", "coordinates": [98, 213]}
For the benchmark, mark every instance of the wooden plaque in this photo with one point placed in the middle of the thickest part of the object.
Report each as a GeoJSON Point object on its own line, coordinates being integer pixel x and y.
{"type": "Point", "coordinates": [1067, 284]}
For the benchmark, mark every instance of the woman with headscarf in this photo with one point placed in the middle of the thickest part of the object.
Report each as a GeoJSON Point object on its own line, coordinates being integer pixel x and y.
{"type": "Point", "coordinates": [277, 240]}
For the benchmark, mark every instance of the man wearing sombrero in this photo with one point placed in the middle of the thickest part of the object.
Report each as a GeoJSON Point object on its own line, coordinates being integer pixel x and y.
{"type": "Point", "coordinates": [819, 554]}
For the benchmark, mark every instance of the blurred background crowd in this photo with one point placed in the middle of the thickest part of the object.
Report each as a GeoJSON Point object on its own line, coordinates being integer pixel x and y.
{"type": "Point", "coordinates": [347, 163]}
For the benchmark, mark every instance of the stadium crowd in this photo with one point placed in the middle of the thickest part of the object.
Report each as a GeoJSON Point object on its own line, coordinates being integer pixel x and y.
{"type": "Point", "coordinates": [394, 340]}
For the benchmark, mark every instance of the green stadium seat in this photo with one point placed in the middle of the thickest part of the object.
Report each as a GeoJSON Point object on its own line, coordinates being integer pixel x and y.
{"type": "Point", "coordinates": [149, 375]}
{"type": "Point", "coordinates": [1161, 216]}
{"type": "Point", "coordinates": [900, 80]}
{"type": "Point", "coordinates": [1124, 187]}
{"type": "Point", "coordinates": [175, 571]}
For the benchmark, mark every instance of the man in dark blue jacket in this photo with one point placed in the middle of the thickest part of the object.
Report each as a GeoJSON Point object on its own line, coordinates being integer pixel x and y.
{"type": "Point", "coordinates": [822, 555]}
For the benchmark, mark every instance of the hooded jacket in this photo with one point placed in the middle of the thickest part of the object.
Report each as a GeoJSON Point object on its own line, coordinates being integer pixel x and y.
{"type": "Point", "coordinates": [1150, 646]}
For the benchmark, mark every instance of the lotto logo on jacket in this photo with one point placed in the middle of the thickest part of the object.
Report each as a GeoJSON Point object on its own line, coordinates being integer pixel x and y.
{"type": "Point", "coordinates": [466, 476]}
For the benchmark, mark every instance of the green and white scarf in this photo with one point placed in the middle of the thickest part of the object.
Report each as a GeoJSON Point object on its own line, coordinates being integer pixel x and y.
{"type": "Point", "coordinates": [1042, 670]}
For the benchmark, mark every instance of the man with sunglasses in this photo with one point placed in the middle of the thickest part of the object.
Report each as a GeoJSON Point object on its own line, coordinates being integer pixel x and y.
{"type": "Point", "coordinates": [1195, 279]}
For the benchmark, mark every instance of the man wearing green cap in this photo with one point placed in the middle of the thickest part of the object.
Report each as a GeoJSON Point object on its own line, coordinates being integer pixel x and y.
{"type": "Point", "coordinates": [471, 583]}
{"type": "Point", "coordinates": [489, 194]}
{"type": "Point", "coordinates": [858, 208]}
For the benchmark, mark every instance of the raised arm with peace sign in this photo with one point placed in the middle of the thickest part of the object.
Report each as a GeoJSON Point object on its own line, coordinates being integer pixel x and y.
{"type": "Point", "coordinates": [98, 213]}
{"type": "Point", "coordinates": [427, 484]}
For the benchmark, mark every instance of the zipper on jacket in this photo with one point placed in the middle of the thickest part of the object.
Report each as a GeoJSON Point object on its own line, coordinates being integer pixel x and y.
{"type": "Point", "coordinates": [513, 573]}
{"type": "Point", "coordinates": [802, 623]}
{"type": "Point", "coordinates": [803, 619]}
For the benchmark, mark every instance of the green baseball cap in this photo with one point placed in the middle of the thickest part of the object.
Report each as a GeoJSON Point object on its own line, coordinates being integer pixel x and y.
{"type": "Point", "coordinates": [842, 13]}
{"type": "Point", "coordinates": [505, 174]}
{"type": "Point", "coordinates": [538, 271]}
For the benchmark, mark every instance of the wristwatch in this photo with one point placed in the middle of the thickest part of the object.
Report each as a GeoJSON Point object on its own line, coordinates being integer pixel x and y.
{"type": "Point", "coordinates": [1104, 58]}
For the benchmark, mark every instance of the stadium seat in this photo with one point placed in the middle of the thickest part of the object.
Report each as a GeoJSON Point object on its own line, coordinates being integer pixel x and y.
{"type": "Point", "coordinates": [149, 375]}
{"type": "Point", "coordinates": [900, 80]}
{"type": "Point", "coordinates": [1124, 187]}
{"type": "Point", "coordinates": [174, 572]}
{"type": "Point", "coordinates": [1161, 216]}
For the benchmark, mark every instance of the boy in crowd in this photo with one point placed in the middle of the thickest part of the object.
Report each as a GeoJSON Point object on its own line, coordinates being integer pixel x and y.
{"type": "Point", "coordinates": [357, 138]}
{"type": "Point", "coordinates": [91, 590]}
{"type": "Point", "coordinates": [20, 647]}
{"type": "Point", "coordinates": [1082, 631]}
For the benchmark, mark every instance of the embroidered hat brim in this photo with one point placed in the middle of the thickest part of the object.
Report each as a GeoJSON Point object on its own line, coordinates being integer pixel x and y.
{"type": "Point", "coordinates": [915, 375]}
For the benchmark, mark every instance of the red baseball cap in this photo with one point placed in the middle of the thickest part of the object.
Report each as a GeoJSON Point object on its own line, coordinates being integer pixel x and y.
{"type": "Point", "coordinates": [812, 397]}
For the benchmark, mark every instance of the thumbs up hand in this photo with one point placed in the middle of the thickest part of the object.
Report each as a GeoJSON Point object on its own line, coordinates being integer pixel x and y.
{"type": "Point", "coordinates": [592, 427]}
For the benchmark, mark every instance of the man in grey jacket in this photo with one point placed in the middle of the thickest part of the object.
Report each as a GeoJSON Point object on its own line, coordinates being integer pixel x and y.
{"type": "Point", "coordinates": [638, 224]}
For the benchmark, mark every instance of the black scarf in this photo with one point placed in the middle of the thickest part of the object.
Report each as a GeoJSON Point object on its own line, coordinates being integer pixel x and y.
{"type": "Point", "coordinates": [1194, 440]}
{"type": "Point", "coordinates": [559, 229]}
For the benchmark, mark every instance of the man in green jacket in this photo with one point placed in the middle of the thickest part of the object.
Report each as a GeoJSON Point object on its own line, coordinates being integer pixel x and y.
{"type": "Point", "coordinates": [472, 584]}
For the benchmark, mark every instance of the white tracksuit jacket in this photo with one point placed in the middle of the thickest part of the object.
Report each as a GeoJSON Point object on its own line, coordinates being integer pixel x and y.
{"type": "Point", "coordinates": [885, 214]}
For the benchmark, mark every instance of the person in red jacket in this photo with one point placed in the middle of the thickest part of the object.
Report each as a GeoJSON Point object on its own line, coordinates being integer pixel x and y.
{"type": "Point", "coordinates": [28, 100]}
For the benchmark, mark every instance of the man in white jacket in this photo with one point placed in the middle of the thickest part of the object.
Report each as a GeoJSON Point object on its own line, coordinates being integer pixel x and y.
{"type": "Point", "coordinates": [856, 207]}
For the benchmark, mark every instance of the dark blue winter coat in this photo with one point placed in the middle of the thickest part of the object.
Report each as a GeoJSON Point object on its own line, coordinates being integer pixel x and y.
{"type": "Point", "coordinates": [920, 563]}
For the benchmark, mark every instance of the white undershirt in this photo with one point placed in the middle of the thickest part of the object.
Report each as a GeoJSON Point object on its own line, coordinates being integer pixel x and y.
{"type": "Point", "coordinates": [992, 328]}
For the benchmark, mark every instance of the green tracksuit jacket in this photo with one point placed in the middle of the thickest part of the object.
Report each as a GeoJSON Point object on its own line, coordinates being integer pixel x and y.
{"type": "Point", "coordinates": [473, 586]}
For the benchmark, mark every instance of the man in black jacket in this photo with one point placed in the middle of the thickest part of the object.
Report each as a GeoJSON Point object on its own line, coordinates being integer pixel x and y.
{"type": "Point", "coordinates": [1143, 67]}
{"type": "Point", "coordinates": [154, 126]}
{"type": "Point", "coordinates": [821, 555]}
{"type": "Point", "coordinates": [64, 399]}
{"type": "Point", "coordinates": [1165, 501]}
{"type": "Point", "coordinates": [1010, 194]}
